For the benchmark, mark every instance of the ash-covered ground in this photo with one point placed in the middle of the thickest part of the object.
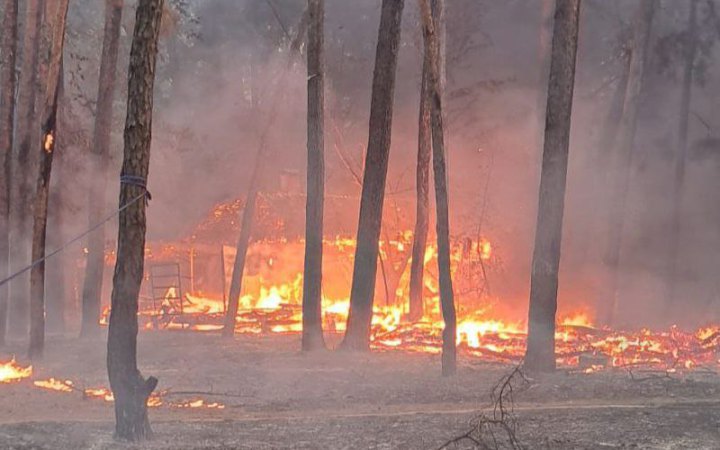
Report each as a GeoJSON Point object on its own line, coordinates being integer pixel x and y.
{"type": "Point", "coordinates": [276, 397]}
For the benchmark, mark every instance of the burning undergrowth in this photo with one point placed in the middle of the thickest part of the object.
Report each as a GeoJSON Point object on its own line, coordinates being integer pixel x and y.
{"type": "Point", "coordinates": [487, 329]}
{"type": "Point", "coordinates": [13, 372]}
{"type": "Point", "coordinates": [156, 399]}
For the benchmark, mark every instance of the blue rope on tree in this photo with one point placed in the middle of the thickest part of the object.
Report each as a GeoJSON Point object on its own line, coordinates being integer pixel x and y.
{"type": "Point", "coordinates": [135, 180]}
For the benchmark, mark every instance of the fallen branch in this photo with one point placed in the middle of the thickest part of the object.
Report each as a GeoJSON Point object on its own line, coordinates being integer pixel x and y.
{"type": "Point", "coordinates": [498, 430]}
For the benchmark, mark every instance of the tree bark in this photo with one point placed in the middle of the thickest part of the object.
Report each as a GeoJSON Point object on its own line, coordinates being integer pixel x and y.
{"type": "Point", "coordinates": [92, 285]}
{"type": "Point", "coordinates": [55, 271]}
{"type": "Point", "coordinates": [540, 354]}
{"type": "Point", "coordinates": [248, 214]}
{"type": "Point", "coordinates": [312, 336]}
{"type": "Point", "coordinates": [130, 389]}
{"type": "Point", "coordinates": [357, 336]}
{"type": "Point", "coordinates": [53, 41]}
{"type": "Point", "coordinates": [622, 161]}
{"type": "Point", "coordinates": [422, 207]}
{"type": "Point", "coordinates": [447, 300]}
{"type": "Point", "coordinates": [8, 49]}
{"type": "Point", "coordinates": [679, 175]}
{"type": "Point", "coordinates": [22, 164]}
{"type": "Point", "coordinates": [543, 55]}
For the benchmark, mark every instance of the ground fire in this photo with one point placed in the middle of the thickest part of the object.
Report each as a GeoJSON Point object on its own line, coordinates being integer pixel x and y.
{"type": "Point", "coordinates": [271, 304]}
{"type": "Point", "coordinates": [11, 371]}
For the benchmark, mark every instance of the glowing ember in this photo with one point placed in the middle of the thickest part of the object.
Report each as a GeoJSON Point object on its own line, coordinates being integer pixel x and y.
{"type": "Point", "coordinates": [199, 403]}
{"type": "Point", "coordinates": [48, 143]}
{"type": "Point", "coordinates": [102, 393]}
{"type": "Point", "coordinates": [99, 393]}
{"type": "Point", "coordinates": [55, 385]}
{"type": "Point", "coordinates": [11, 371]}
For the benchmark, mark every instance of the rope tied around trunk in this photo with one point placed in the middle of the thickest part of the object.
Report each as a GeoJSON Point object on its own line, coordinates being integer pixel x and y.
{"type": "Point", "coordinates": [135, 180]}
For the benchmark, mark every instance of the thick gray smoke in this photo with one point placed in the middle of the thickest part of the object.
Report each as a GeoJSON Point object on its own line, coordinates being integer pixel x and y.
{"type": "Point", "coordinates": [220, 72]}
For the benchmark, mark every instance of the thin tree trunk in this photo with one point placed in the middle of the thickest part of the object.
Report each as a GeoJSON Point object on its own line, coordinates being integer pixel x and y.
{"type": "Point", "coordinates": [248, 214]}
{"type": "Point", "coordinates": [422, 187]}
{"type": "Point", "coordinates": [357, 335]}
{"type": "Point", "coordinates": [54, 39]}
{"type": "Point", "coordinates": [129, 388]}
{"type": "Point", "coordinates": [8, 49]}
{"type": "Point", "coordinates": [447, 301]}
{"type": "Point", "coordinates": [600, 180]}
{"type": "Point", "coordinates": [679, 176]}
{"type": "Point", "coordinates": [55, 272]}
{"type": "Point", "coordinates": [312, 336]}
{"type": "Point", "coordinates": [21, 187]}
{"type": "Point", "coordinates": [622, 157]}
{"type": "Point", "coordinates": [92, 285]}
{"type": "Point", "coordinates": [540, 354]}
{"type": "Point", "coordinates": [612, 120]}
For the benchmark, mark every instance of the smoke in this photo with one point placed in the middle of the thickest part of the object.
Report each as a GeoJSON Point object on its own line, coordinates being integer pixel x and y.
{"type": "Point", "coordinates": [224, 68]}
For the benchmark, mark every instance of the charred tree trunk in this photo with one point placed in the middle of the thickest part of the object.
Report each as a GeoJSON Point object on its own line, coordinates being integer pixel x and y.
{"type": "Point", "coordinates": [622, 157]}
{"type": "Point", "coordinates": [251, 199]}
{"type": "Point", "coordinates": [21, 187]}
{"type": "Point", "coordinates": [130, 389]}
{"type": "Point", "coordinates": [55, 271]}
{"type": "Point", "coordinates": [447, 301]}
{"type": "Point", "coordinates": [679, 175]}
{"type": "Point", "coordinates": [543, 57]}
{"type": "Point", "coordinates": [540, 354]}
{"type": "Point", "coordinates": [54, 39]}
{"type": "Point", "coordinates": [8, 49]}
{"type": "Point", "coordinates": [248, 214]}
{"type": "Point", "coordinates": [357, 336]}
{"type": "Point", "coordinates": [242, 246]}
{"type": "Point", "coordinates": [422, 187]}
{"type": "Point", "coordinates": [92, 285]}
{"type": "Point", "coordinates": [312, 335]}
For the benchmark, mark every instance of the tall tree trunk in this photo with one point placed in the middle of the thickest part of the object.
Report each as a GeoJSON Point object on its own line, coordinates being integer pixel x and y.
{"type": "Point", "coordinates": [622, 161]}
{"type": "Point", "coordinates": [130, 389]}
{"type": "Point", "coordinates": [543, 59]}
{"type": "Point", "coordinates": [53, 41]}
{"type": "Point", "coordinates": [95, 265]}
{"type": "Point", "coordinates": [55, 272]}
{"type": "Point", "coordinates": [8, 49]}
{"type": "Point", "coordinates": [422, 207]}
{"type": "Point", "coordinates": [599, 189]}
{"type": "Point", "coordinates": [248, 214]}
{"type": "Point", "coordinates": [21, 187]}
{"type": "Point", "coordinates": [357, 336]}
{"type": "Point", "coordinates": [540, 354]}
{"type": "Point", "coordinates": [447, 301]}
{"type": "Point", "coordinates": [312, 336]}
{"type": "Point", "coordinates": [679, 176]}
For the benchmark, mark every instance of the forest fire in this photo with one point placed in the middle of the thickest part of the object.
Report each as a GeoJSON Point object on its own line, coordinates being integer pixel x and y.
{"type": "Point", "coordinates": [272, 305]}
{"type": "Point", "coordinates": [11, 371]}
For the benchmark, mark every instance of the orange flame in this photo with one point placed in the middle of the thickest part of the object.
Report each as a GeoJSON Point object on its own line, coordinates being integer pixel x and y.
{"type": "Point", "coordinates": [11, 371]}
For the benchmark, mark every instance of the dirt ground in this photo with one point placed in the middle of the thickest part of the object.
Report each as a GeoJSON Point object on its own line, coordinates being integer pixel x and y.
{"type": "Point", "coordinates": [275, 397]}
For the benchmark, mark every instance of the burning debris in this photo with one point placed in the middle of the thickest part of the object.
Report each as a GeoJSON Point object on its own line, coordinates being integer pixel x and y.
{"type": "Point", "coordinates": [11, 371]}
{"type": "Point", "coordinates": [156, 399]}
{"type": "Point", "coordinates": [271, 304]}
